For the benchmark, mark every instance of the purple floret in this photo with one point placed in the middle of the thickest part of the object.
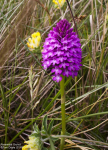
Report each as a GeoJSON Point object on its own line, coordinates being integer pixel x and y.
{"type": "Point", "coordinates": [62, 51]}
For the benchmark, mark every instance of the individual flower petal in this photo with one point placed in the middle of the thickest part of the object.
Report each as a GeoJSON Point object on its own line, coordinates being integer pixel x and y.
{"type": "Point", "coordinates": [62, 59]}
{"type": "Point", "coordinates": [25, 147]}
{"type": "Point", "coordinates": [71, 67]}
{"type": "Point", "coordinates": [59, 53]}
{"type": "Point", "coordinates": [57, 78]}
{"type": "Point", "coordinates": [56, 71]}
{"type": "Point", "coordinates": [55, 61]}
{"type": "Point", "coordinates": [63, 65]}
{"type": "Point", "coordinates": [47, 63]}
{"type": "Point", "coordinates": [50, 54]}
{"type": "Point", "coordinates": [74, 73]}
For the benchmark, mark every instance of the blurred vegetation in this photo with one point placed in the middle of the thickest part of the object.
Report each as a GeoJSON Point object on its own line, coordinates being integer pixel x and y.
{"type": "Point", "coordinates": [27, 92]}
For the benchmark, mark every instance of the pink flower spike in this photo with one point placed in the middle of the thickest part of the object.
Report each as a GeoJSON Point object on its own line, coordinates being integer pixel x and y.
{"type": "Point", "coordinates": [63, 51]}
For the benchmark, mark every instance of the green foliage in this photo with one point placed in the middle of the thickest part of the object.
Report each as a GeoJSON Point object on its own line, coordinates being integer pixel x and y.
{"type": "Point", "coordinates": [45, 133]}
{"type": "Point", "coordinates": [44, 124]}
{"type": "Point", "coordinates": [50, 126]}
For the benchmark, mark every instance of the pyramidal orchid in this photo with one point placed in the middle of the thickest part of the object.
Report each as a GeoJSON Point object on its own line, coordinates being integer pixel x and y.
{"type": "Point", "coordinates": [62, 55]}
{"type": "Point", "coordinates": [62, 51]}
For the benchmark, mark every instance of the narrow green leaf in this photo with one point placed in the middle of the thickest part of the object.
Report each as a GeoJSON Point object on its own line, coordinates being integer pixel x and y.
{"type": "Point", "coordinates": [44, 123]}
{"type": "Point", "coordinates": [97, 87]}
{"type": "Point", "coordinates": [4, 101]}
{"type": "Point", "coordinates": [50, 126]}
{"type": "Point", "coordinates": [36, 129]}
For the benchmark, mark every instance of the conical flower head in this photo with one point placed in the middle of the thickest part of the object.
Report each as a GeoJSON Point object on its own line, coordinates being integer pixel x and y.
{"type": "Point", "coordinates": [62, 51]}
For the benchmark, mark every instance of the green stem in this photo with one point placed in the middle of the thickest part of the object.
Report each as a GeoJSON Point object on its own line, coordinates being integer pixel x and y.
{"type": "Point", "coordinates": [51, 144]}
{"type": "Point", "coordinates": [80, 139]}
{"type": "Point", "coordinates": [62, 112]}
